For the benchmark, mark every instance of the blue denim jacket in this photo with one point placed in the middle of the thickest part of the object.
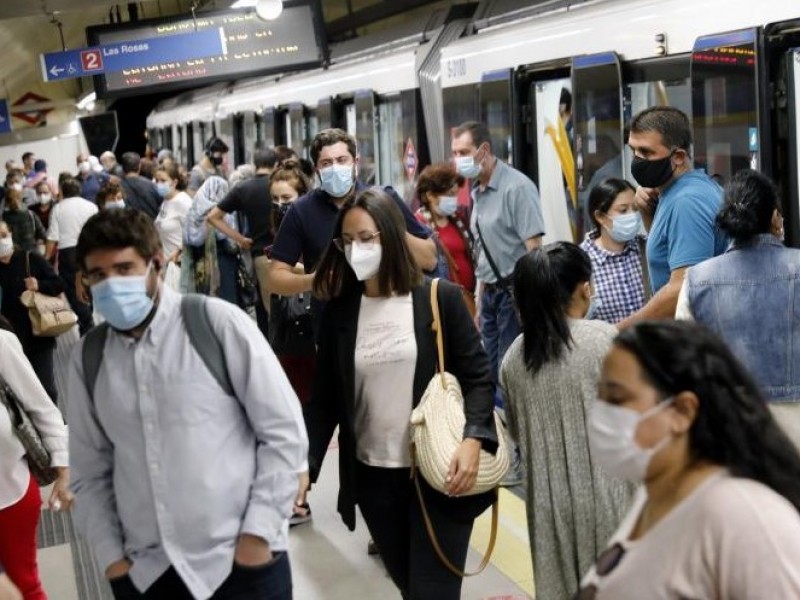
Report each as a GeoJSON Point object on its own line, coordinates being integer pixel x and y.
{"type": "Point", "coordinates": [750, 296]}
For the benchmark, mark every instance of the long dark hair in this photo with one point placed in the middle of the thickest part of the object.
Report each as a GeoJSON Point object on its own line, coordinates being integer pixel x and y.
{"type": "Point", "coordinates": [750, 201]}
{"type": "Point", "coordinates": [603, 195]}
{"type": "Point", "coordinates": [544, 280]}
{"type": "Point", "coordinates": [398, 273]}
{"type": "Point", "coordinates": [734, 427]}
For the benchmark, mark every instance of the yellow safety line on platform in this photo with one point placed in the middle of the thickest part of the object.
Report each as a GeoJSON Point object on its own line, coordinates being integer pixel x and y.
{"type": "Point", "coordinates": [512, 553]}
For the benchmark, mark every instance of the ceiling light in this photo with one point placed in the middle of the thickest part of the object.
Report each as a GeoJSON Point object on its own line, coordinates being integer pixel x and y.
{"type": "Point", "coordinates": [269, 9]}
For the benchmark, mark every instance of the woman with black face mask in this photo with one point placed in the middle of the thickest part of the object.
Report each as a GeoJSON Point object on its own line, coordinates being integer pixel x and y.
{"type": "Point", "coordinates": [210, 164]}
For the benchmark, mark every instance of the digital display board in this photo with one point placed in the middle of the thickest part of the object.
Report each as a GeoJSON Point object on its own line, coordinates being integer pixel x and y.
{"type": "Point", "coordinates": [252, 46]}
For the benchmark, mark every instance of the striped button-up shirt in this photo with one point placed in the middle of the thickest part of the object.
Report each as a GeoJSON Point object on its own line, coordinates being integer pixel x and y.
{"type": "Point", "coordinates": [167, 468]}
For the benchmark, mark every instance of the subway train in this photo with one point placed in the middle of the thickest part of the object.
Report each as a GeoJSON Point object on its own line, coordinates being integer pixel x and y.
{"type": "Point", "coordinates": [556, 82]}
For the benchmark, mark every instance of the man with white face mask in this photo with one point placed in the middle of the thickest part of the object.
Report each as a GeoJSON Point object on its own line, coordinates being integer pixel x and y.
{"type": "Point", "coordinates": [161, 522]}
{"type": "Point", "coordinates": [307, 228]}
{"type": "Point", "coordinates": [506, 223]}
{"type": "Point", "coordinates": [90, 179]}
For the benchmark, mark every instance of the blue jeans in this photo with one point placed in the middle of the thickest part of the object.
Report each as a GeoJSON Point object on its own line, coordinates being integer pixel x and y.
{"type": "Point", "coordinates": [272, 581]}
{"type": "Point", "coordinates": [499, 327]}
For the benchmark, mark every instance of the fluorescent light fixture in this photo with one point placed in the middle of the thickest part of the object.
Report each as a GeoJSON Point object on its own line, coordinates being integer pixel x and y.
{"type": "Point", "coordinates": [269, 9]}
{"type": "Point", "coordinates": [244, 3]}
{"type": "Point", "coordinates": [87, 102]}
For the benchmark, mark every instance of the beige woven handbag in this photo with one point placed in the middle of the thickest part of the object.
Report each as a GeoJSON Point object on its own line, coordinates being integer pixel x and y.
{"type": "Point", "coordinates": [50, 315]}
{"type": "Point", "coordinates": [437, 425]}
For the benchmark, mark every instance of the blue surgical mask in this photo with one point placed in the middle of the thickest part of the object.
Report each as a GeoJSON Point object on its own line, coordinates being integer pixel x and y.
{"type": "Point", "coordinates": [123, 301]}
{"type": "Point", "coordinates": [447, 205]}
{"type": "Point", "coordinates": [466, 167]}
{"type": "Point", "coordinates": [337, 180]}
{"type": "Point", "coordinates": [115, 203]}
{"type": "Point", "coordinates": [163, 189]}
{"type": "Point", "coordinates": [595, 304]}
{"type": "Point", "coordinates": [626, 227]}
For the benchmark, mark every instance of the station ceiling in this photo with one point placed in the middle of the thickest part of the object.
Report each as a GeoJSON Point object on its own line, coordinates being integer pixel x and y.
{"type": "Point", "coordinates": [29, 28]}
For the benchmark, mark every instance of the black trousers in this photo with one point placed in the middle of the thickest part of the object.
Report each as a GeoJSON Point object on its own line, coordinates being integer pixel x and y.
{"type": "Point", "coordinates": [272, 581]}
{"type": "Point", "coordinates": [390, 507]}
{"type": "Point", "coordinates": [41, 360]}
{"type": "Point", "coordinates": [67, 269]}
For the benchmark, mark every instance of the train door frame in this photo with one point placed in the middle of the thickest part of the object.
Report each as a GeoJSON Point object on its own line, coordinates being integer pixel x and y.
{"type": "Point", "coordinates": [782, 70]}
{"type": "Point", "coordinates": [366, 134]}
{"type": "Point", "coordinates": [297, 116]}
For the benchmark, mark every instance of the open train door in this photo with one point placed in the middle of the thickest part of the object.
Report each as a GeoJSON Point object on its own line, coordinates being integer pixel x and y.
{"type": "Point", "coordinates": [781, 42]}
{"type": "Point", "coordinates": [598, 137]}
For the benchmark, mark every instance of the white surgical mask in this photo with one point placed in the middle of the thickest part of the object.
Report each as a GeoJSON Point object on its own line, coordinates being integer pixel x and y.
{"type": "Point", "coordinates": [612, 439]}
{"type": "Point", "coordinates": [85, 166]}
{"type": "Point", "coordinates": [120, 203]}
{"type": "Point", "coordinates": [364, 259]}
{"type": "Point", "coordinates": [466, 167]}
{"type": "Point", "coordinates": [337, 180]}
{"type": "Point", "coordinates": [45, 199]}
{"type": "Point", "coordinates": [6, 246]}
{"type": "Point", "coordinates": [626, 227]}
{"type": "Point", "coordinates": [447, 205]}
{"type": "Point", "coordinates": [16, 186]}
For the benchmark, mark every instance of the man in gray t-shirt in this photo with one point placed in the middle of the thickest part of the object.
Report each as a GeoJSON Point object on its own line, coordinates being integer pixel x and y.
{"type": "Point", "coordinates": [507, 222]}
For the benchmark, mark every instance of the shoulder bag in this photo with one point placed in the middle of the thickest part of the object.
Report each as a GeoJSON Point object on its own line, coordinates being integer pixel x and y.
{"type": "Point", "coordinates": [437, 429]}
{"type": "Point", "coordinates": [50, 315]}
{"type": "Point", "coordinates": [291, 326]}
{"type": "Point", "coordinates": [36, 454]}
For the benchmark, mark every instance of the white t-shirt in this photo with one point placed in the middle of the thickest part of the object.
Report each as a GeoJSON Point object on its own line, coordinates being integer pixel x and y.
{"type": "Point", "coordinates": [21, 378]}
{"type": "Point", "coordinates": [67, 218]}
{"type": "Point", "coordinates": [170, 221]}
{"type": "Point", "coordinates": [731, 539]}
{"type": "Point", "coordinates": [385, 363]}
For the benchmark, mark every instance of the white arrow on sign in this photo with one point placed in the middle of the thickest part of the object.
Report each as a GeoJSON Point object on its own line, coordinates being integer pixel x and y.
{"type": "Point", "coordinates": [55, 71]}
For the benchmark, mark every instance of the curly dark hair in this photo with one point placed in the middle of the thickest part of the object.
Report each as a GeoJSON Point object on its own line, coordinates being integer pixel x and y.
{"type": "Point", "coordinates": [734, 426]}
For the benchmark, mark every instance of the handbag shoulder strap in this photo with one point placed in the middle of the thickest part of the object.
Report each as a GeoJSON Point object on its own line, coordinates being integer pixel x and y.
{"type": "Point", "coordinates": [642, 243]}
{"type": "Point", "coordinates": [488, 254]}
{"type": "Point", "coordinates": [435, 541]}
{"type": "Point", "coordinates": [437, 327]}
{"type": "Point", "coordinates": [27, 264]}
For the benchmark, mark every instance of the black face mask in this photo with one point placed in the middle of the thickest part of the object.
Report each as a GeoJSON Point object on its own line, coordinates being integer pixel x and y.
{"type": "Point", "coordinates": [652, 173]}
{"type": "Point", "coordinates": [217, 160]}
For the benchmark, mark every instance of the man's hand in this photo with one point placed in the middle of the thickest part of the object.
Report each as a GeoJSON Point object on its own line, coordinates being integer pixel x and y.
{"type": "Point", "coordinates": [31, 284]}
{"type": "Point", "coordinates": [252, 551]}
{"type": "Point", "coordinates": [118, 569]}
{"type": "Point", "coordinates": [646, 201]}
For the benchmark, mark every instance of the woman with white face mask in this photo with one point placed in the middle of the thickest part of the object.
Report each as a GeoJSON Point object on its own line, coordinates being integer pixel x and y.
{"type": "Point", "coordinates": [437, 190]}
{"type": "Point", "coordinates": [717, 517]}
{"type": "Point", "coordinates": [376, 355]}
{"type": "Point", "coordinates": [549, 378]}
{"type": "Point", "coordinates": [615, 248]}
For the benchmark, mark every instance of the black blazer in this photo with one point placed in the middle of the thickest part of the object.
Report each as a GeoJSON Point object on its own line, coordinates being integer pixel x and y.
{"type": "Point", "coordinates": [333, 400]}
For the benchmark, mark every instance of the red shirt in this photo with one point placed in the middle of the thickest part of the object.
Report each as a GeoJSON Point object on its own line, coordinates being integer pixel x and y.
{"type": "Point", "coordinates": [451, 238]}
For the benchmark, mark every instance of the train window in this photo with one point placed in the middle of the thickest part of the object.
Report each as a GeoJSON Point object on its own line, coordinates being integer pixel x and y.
{"type": "Point", "coordinates": [597, 110]}
{"type": "Point", "coordinates": [259, 131]}
{"type": "Point", "coordinates": [495, 105]}
{"type": "Point", "coordinates": [460, 104]}
{"type": "Point", "coordinates": [225, 133]}
{"type": "Point", "coordinates": [365, 137]}
{"type": "Point", "coordinates": [350, 118]}
{"type": "Point", "coordinates": [313, 129]}
{"type": "Point", "coordinates": [392, 146]}
{"type": "Point", "coordinates": [325, 114]}
{"type": "Point", "coordinates": [725, 104]}
{"type": "Point", "coordinates": [297, 126]}
{"type": "Point", "coordinates": [248, 134]}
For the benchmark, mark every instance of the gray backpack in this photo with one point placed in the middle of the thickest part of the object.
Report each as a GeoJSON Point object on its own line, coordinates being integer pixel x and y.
{"type": "Point", "coordinates": [201, 335]}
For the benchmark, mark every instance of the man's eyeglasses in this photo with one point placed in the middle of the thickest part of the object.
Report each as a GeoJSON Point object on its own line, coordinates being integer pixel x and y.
{"type": "Point", "coordinates": [608, 560]}
{"type": "Point", "coordinates": [367, 241]}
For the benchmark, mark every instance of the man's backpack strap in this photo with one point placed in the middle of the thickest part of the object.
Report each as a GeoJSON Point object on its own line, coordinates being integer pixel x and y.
{"type": "Point", "coordinates": [205, 342]}
{"type": "Point", "coordinates": [201, 335]}
{"type": "Point", "coordinates": [94, 342]}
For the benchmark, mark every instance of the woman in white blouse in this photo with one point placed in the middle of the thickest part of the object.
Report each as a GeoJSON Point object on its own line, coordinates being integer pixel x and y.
{"type": "Point", "coordinates": [174, 208]}
{"type": "Point", "coordinates": [717, 517]}
{"type": "Point", "coordinates": [20, 499]}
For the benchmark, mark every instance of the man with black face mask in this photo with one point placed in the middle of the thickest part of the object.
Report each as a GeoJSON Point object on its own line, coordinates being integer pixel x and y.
{"type": "Point", "coordinates": [210, 164]}
{"type": "Point", "coordinates": [679, 205]}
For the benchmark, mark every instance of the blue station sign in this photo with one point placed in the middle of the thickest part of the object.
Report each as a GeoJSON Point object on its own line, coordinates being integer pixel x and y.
{"type": "Point", "coordinates": [119, 56]}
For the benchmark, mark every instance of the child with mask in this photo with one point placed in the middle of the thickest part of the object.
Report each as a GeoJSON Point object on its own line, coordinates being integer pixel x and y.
{"type": "Point", "coordinates": [549, 378]}
{"type": "Point", "coordinates": [615, 249]}
{"type": "Point", "coordinates": [717, 516]}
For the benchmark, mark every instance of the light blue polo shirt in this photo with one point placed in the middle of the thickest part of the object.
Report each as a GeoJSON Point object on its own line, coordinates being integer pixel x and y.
{"type": "Point", "coordinates": [684, 231]}
{"type": "Point", "coordinates": [509, 211]}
